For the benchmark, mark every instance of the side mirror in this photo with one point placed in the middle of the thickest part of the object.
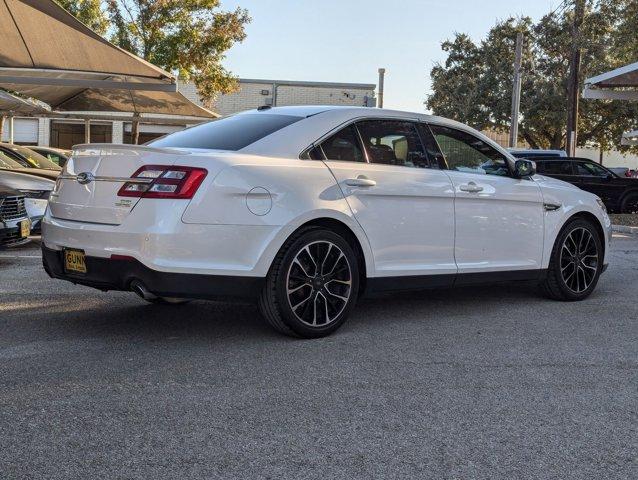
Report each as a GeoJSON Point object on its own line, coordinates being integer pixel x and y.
{"type": "Point", "coordinates": [524, 168]}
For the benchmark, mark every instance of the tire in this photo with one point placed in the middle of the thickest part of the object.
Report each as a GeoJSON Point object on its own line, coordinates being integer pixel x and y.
{"type": "Point", "coordinates": [331, 287]}
{"type": "Point", "coordinates": [630, 203]}
{"type": "Point", "coordinates": [578, 250]}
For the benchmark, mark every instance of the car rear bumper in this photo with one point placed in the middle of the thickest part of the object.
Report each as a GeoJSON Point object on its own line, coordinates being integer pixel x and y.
{"type": "Point", "coordinates": [121, 273]}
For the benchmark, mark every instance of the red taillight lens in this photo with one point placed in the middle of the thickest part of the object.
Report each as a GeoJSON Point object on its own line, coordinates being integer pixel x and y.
{"type": "Point", "coordinates": [164, 181]}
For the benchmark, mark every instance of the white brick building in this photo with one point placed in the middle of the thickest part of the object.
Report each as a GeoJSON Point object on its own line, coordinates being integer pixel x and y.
{"type": "Point", "coordinates": [252, 94]}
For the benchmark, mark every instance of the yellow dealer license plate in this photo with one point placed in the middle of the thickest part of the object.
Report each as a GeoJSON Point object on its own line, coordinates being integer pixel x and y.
{"type": "Point", "coordinates": [25, 228]}
{"type": "Point", "coordinates": [74, 261]}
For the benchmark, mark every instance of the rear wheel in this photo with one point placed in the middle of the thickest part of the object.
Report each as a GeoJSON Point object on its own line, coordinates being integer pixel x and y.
{"type": "Point", "coordinates": [630, 203]}
{"type": "Point", "coordinates": [576, 262]}
{"type": "Point", "coordinates": [312, 285]}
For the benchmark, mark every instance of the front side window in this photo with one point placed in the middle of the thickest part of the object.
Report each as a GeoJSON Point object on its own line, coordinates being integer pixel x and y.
{"type": "Point", "coordinates": [393, 142]}
{"type": "Point", "coordinates": [230, 133]}
{"type": "Point", "coordinates": [466, 153]}
{"type": "Point", "coordinates": [343, 145]}
{"type": "Point", "coordinates": [590, 170]}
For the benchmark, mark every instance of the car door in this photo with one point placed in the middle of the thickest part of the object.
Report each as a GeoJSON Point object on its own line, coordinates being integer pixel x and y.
{"type": "Point", "coordinates": [499, 219]}
{"type": "Point", "coordinates": [397, 193]}
{"type": "Point", "coordinates": [599, 181]}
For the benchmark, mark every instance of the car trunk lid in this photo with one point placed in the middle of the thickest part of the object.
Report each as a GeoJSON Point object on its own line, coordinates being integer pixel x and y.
{"type": "Point", "coordinates": [87, 191]}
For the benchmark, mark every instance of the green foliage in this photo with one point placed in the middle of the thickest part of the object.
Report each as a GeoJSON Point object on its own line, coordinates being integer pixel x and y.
{"type": "Point", "coordinates": [187, 37]}
{"type": "Point", "coordinates": [474, 85]}
{"type": "Point", "coordinates": [89, 12]}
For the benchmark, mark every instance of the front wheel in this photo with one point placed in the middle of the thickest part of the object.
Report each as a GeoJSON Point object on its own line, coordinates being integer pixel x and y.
{"type": "Point", "coordinates": [576, 262]}
{"type": "Point", "coordinates": [312, 284]}
{"type": "Point", "coordinates": [630, 203]}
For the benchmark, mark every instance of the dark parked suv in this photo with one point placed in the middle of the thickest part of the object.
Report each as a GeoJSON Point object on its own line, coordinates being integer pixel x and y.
{"type": "Point", "coordinates": [15, 225]}
{"type": "Point", "coordinates": [620, 194]}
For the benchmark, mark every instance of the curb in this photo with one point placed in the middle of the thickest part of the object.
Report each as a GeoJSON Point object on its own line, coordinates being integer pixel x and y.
{"type": "Point", "coordinates": [624, 229]}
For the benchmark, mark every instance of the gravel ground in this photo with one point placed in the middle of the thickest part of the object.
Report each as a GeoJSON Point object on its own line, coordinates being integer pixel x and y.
{"type": "Point", "coordinates": [491, 382]}
{"type": "Point", "coordinates": [630, 220]}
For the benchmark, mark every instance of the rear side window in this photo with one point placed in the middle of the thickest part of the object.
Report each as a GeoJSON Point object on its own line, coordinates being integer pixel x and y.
{"type": "Point", "coordinates": [230, 133]}
{"type": "Point", "coordinates": [393, 142]}
{"type": "Point", "coordinates": [343, 145]}
{"type": "Point", "coordinates": [554, 168]}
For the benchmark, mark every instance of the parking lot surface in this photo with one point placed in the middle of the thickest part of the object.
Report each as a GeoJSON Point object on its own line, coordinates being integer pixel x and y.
{"type": "Point", "coordinates": [489, 382]}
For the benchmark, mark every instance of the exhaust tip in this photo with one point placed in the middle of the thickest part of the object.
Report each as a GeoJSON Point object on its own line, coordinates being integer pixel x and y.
{"type": "Point", "coordinates": [139, 288]}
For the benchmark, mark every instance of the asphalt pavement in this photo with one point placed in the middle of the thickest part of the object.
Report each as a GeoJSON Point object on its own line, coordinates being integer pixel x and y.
{"type": "Point", "coordinates": [476, 383]}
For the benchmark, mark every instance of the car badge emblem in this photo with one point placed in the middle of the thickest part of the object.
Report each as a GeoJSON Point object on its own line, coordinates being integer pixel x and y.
{"type": "Point", "coordinates": [85, 177]}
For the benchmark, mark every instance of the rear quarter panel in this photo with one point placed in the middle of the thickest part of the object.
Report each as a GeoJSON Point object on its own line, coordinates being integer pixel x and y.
{"type": "Point", "coordinates": [275, 192]}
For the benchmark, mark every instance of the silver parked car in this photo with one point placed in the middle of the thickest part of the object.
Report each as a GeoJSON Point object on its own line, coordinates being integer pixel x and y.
{"type": "Point", "coordinates": [36, 191]}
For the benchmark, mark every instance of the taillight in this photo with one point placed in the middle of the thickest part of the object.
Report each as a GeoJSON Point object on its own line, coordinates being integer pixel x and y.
{"type": "Point", "coordinates": [163, 181]}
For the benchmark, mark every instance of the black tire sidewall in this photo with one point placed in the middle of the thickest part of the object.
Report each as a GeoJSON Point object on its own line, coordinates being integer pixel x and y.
{"type": "Point", "coordinates": [287, 315]}
{"type": "Point", "coordinates": [555, 261]}
{"type": "Point", "coordinates": [628, 198]}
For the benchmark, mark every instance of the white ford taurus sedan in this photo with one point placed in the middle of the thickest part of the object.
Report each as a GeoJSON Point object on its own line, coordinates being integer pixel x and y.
{"type": "Point", "coordinates": [304, 209]}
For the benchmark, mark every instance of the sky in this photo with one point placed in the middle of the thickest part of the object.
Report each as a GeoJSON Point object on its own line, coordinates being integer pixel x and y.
{"type": "Point", "coordinates": [348, 40]}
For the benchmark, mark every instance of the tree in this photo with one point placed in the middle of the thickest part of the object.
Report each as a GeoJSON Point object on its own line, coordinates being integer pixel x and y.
{"type": "Point", "coordinates": [88, 12]}
{"type": "Point", "coordinates": [189, 37]}
{"type": "Point", "coordinates": [474, 84]}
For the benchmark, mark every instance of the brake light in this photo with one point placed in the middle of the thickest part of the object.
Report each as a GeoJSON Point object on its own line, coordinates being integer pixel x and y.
{"type": "Point", "coordinates": [164, 181]}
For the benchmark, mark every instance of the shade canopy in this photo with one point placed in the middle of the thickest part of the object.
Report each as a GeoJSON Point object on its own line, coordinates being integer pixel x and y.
{"type": "Point", "coordinates": [618, 84]}
{"type": "Point", "coordinates": [12, 105]}
{"type": "Point", "coordinates": [47, 54]}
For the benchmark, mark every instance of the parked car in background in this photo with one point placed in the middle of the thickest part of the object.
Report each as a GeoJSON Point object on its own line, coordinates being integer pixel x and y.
{"type": "Point", "coordinates": [56, 155]}
{"type": "Point", "coordinates": [38, 165]}
{"type": "Point", "coordinates": [624, 172]}
{"type": "Point", "coordinates": [15, 225]}
{"type": "Point", "coordinates": [620, 194]}
{"type": "Point", "coordinates": [36, 191]}
{"type": "Point", "coordinates": [9, 163]}
{"type": "Point", "coordinates": [302, 209]}
{"type": "Point", "coordinates": [533, 153]}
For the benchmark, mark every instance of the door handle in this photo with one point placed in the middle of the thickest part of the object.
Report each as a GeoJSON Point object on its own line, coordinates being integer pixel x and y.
{"type": "Point", "coordinates": [471, 187]}
{"type": "Point", "coordinates": [360, 181]}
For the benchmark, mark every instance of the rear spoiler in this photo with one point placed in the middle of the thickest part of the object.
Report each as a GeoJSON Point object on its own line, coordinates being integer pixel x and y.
{"type": "Point", "coordinates": [103, 149]}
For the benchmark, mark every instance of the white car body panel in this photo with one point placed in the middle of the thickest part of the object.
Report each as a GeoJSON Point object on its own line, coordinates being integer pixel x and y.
{"type": "Point", "coordinates": [412, 222]}
{"type": "Point", "coordinates": [408, 216]}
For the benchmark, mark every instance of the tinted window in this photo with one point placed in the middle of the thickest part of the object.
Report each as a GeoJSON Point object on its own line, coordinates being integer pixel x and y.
{"type": "Point", "coordinates": [393, 142]}
{"type": "Point", "coordinates": [343, 145]}
{"type": "Point", "coordinates": [431, 147]}
{"type": "Point", "coordinates": [30, 158]}
{"type": "Point", "coordinates": [590, 169]}
{"type": "Point", "coordinates": [554, 168]}
{"type": "Point", "coordinates": [8, 162]}
{"type": "Point", "coordinates": [230, 133]}
{"type": "Point", "coordinates": [466, 153]}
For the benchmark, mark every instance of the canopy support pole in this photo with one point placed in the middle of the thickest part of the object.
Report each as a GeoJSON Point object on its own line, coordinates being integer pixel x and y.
{"type": "Point", "coordinates": [87, 131]}
{"type": "Point", "coordinates": [135, 130]}
{"type": "Point", "coordinates": [2, 119]}
{"type": "Point", "coordinates": [11, 133]}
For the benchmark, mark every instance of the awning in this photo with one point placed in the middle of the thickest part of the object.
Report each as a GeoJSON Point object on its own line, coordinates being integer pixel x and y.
{"type": "Point", "coordinates": [12, 105]}
{"type": "Point", "coordinates": [47, 54]}
{"type": "Point", "coordinates": [618, 84]}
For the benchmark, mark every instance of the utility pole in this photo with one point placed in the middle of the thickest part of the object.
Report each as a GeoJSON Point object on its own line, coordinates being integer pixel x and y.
{"type": "Point", "coordinates": [516, 91]}
{"type": "Point", "coordinates": [381, 87]}
{"type": "Point", "coordinates": [574, 79]}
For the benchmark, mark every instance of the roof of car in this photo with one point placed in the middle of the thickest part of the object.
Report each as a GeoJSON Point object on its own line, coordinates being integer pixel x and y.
{"type": "Point", "coordinates": [562, 159]}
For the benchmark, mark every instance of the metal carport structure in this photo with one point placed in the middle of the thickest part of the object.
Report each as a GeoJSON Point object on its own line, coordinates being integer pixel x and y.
{"type": "Point", "coordinates": [48, 55]}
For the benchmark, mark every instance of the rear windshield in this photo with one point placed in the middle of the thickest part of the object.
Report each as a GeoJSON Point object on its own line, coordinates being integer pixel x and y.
{"type": "Point", "coordinates": [7, 162]}
{"type": "Point", "coordinates": [230, 133]}
{"type": "Point", "coordinates": [34, 159]}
